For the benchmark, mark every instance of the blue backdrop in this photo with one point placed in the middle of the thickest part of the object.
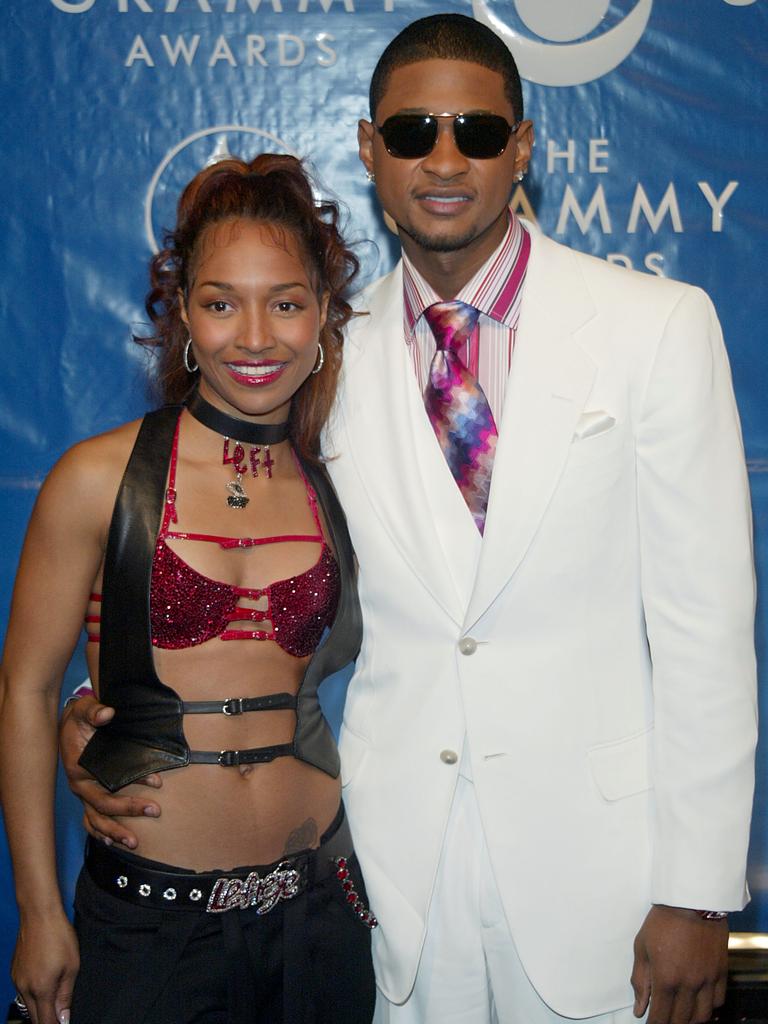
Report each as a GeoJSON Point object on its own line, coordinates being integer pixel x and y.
{"type": "Point", "coordinates": [651, 153]}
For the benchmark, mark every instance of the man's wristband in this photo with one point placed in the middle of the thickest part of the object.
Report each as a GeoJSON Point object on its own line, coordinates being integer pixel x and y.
{"type": "Point", "coordinates": [705, 915]}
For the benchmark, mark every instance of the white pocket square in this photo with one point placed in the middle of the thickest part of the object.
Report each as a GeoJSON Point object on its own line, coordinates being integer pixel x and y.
{"type": "Point", "coordinates": [592, 423]}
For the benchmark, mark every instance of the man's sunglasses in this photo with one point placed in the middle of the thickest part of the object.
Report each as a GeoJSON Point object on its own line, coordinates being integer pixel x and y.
{"type": "Point", "coordinates": [477, 136]}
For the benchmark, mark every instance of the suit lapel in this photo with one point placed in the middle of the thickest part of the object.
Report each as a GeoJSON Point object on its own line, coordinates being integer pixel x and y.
{"type": "Point", "coordinates": [550, 380]}
{"type": "Point", "coordinates": [397, 457]}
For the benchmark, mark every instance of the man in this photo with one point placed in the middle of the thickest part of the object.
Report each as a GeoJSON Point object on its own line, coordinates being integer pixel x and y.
{"type": "Point", "coordinates": [548, 741]}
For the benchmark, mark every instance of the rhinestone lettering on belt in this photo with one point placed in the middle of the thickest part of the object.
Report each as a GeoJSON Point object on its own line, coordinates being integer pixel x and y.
{"type": "Point", "coordinates": [282, 883]}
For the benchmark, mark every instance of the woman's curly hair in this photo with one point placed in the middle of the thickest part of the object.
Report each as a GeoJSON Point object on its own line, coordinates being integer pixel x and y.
{"type": "Point", "coordinates": [275, 189]}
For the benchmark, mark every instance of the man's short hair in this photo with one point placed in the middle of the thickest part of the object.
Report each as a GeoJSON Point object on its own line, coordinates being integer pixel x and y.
{"type": "Point", "coordinates": [447, 37]}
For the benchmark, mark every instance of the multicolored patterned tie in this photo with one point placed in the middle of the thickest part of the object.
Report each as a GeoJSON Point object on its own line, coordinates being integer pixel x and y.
{"type": "Point", "coordinates": [458, 408]}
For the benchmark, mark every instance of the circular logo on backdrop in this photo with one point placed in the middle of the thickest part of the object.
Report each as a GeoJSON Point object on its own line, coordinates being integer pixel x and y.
{"type": "Point", "coordinates": [568, 50]}
{"type": "Point", "coordinates": [181, 164]}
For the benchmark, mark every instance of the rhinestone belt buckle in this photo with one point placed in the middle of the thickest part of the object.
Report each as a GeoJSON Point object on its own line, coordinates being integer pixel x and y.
{"type": "Point", "coordinates": [282, 883]}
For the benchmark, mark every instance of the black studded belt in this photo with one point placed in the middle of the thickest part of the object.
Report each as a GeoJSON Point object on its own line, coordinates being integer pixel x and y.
{"type": "Point", "coordinates": [145, 884]}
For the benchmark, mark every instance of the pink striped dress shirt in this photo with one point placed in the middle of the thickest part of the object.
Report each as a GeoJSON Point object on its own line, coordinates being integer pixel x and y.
{"type": "Point", "coordinates": [496, 290]}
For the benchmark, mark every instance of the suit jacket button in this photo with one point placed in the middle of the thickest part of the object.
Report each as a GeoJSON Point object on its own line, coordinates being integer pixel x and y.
{"type": "Point", "coordinates": [449, 756]}
{"type": "Point", "coordinates": [467, 645]}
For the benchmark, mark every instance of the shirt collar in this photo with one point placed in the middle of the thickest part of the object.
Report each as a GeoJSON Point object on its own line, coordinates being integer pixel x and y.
{"type": "Point", "coordinates": [492, 290]}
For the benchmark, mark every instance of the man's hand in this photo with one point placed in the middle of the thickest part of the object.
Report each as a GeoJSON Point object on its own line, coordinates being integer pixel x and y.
{"type": "Point", "coordinates": [79, 721]}
{"type": "Point", "coordinates": [681, 966]}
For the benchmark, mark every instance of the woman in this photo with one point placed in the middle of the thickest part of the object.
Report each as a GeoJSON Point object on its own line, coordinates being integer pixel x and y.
{"type": "Point", "coordinates": [209, 556]}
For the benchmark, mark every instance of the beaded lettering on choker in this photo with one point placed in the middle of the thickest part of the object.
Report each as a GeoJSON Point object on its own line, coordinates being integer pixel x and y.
{"type": "Point", "coordinates": [237, 497]}
{"type": "Point", "coordinates": [258, 435]}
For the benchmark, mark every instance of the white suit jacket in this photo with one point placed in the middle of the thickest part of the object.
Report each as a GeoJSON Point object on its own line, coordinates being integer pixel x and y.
{"type": "Point", "coordinates": [608, 696]}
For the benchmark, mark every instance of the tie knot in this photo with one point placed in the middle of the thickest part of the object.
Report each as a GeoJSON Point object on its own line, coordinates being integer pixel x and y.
{"type": "Point", "coordinates": [451, 322]}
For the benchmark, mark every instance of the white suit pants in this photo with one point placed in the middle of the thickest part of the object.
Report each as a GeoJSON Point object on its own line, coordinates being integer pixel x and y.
{"type": "Point", "coordinates": [469, 972]}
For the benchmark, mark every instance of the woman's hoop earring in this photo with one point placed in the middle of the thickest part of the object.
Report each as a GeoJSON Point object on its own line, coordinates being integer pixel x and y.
{"type": "Point", "coordinates": [320, 358]}
{"type": "Point", "coordinates": [187, 347]}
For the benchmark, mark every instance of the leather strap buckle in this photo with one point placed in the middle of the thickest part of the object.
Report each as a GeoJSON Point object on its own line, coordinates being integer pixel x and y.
{"type": "Point", "coordinates": [233, 706]}
{"type": "Point", "coordinates": [229, 758]}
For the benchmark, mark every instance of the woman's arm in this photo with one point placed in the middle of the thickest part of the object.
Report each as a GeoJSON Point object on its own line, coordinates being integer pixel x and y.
{"type": "Point", "coordinates": [60, 560]}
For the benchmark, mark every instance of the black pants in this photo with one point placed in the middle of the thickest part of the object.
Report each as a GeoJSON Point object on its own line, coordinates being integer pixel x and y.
{"type": "Point", "coordinates": [307, 961]}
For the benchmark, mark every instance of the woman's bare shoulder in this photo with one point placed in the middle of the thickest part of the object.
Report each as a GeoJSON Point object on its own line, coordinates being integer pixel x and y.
{"type": "Point", "coordinates": [112, 444]}
{"type": "Point", "coordinates": [89, 473]}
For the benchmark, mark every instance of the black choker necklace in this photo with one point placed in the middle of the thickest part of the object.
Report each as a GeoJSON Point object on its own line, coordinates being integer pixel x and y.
{"type": "Point", "coordinates": [259, 435]}
{"type": "Point", "coordinates": [230, 426]}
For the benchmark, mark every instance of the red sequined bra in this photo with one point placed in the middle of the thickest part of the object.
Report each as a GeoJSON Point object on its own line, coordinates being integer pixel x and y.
{"type": "Point", "coordinates": [188, 608]}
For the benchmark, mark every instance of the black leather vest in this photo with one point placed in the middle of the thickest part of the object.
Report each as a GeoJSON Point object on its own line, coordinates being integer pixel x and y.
{"type": "Point", "coordinates": [146, 734]}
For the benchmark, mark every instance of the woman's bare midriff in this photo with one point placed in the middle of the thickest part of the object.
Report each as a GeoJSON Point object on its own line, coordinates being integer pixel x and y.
{"type": "Point", "coordinates": [224, 817]}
